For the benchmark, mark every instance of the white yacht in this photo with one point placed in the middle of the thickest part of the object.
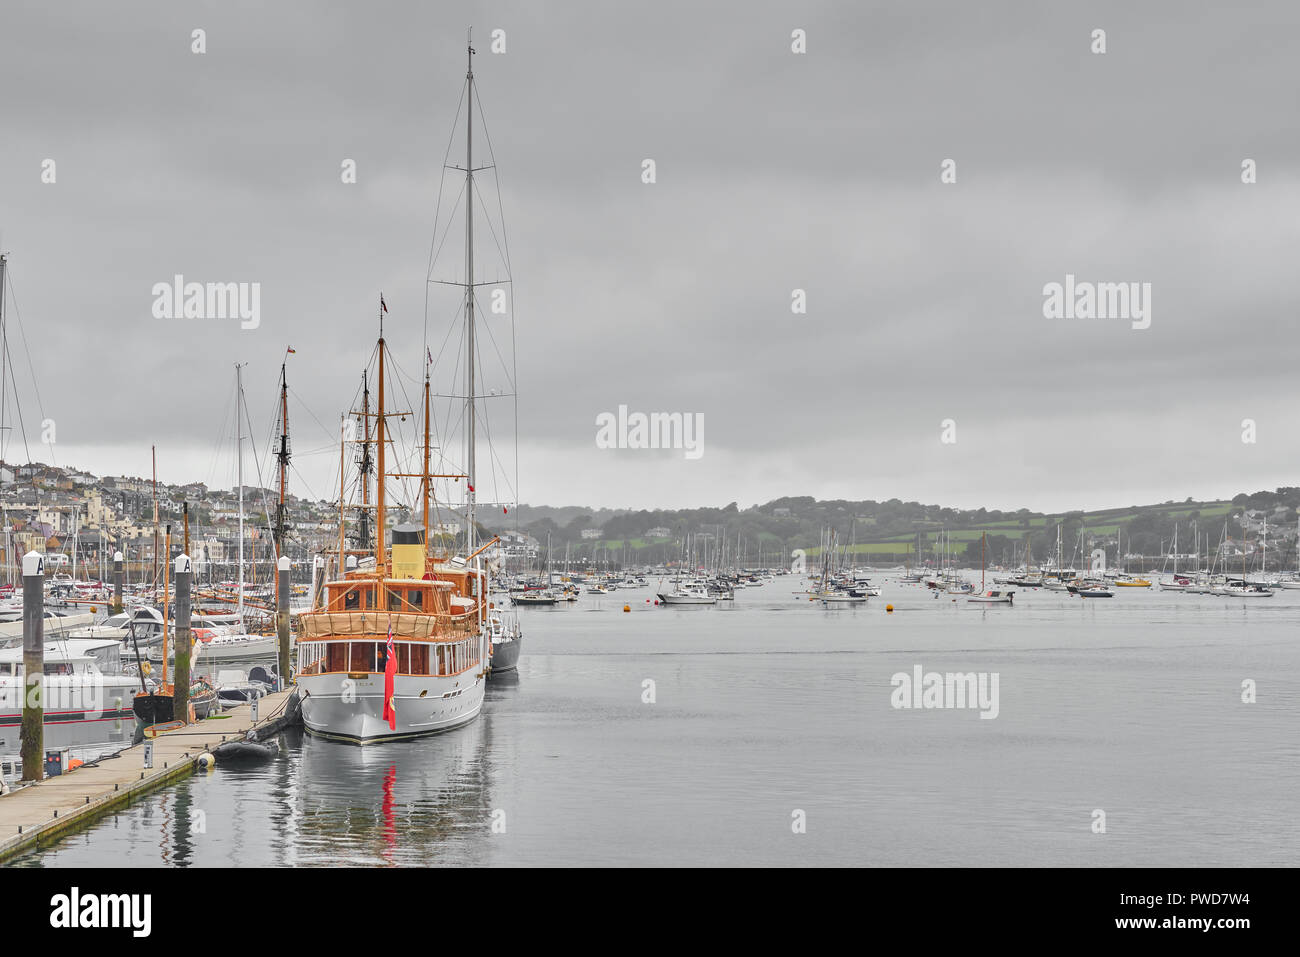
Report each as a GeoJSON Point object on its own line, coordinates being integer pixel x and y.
{"type": "Point", "coordinates": [86, 697]}
{"type": "Point", "coordinates": [688, 593]}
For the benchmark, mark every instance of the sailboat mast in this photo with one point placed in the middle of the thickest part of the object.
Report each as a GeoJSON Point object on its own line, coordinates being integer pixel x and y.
{"type": "Point", "coordinates": [469, 299]}
{"type": "Point", "coordinates": [380, 426]}
{"type": "Point", "coordinates": [4, 368]}
{"type": "Point", "coordinates": [153, 453]}
{"type": "Point", "coordinates": [283, 455]}
{"type": "Point", "coordinates": [343, 491]}
{"type": "Point", "coordinates": [166, 610]}
{"type": "Point", "coordinates": [239, 472]}
{"type": "Point", "coordinates": [426, 460]}
{"type": "Point", "coordinates": [365, 461]}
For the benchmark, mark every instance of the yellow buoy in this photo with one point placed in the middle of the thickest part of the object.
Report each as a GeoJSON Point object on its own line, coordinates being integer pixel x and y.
{"type": "Point", "coordinates": [146, 668]}
{"type": "Point", "coordinates": [889, 608]}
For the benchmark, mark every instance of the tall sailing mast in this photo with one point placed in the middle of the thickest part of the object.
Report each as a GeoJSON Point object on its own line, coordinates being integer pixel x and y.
{"type": "Point", "coordinates": [4, 366]}
{"type": "Point", "coordinates": [239, 472]}
{"type": "Point", "coordinates": [282, 455]}
{"type": "Point", "coordinates": [367, 463]}
{"type": "Point", "coordinates": [425, 483]}
{"type": "Point", "coordinates": [469, 300]}
{"type": "Point", "coordinates": [380, 440]}
{"type": "Point", "coordinates": [4, 369]}
{"type": "Point", "coordinates": [153, 453]}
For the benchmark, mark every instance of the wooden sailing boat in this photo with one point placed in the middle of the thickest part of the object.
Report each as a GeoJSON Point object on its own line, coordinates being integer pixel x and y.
{"type": "Point", "coordinates": [399, 646]}
{"type": "Point", "coordinates": [160, 705]}
{"type": "Point", "coordinates": [989, 597]}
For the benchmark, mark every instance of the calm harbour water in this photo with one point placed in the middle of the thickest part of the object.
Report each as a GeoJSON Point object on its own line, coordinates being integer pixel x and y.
{"type": "Point", "coordinates": [1130, 705]}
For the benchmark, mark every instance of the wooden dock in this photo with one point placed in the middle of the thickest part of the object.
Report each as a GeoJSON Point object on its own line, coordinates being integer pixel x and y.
{"type": "Point", "coordinates": [36, 815]}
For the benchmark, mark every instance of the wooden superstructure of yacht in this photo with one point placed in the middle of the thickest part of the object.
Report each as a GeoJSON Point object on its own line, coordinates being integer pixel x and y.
{"type": "Point", "coordinates": [431, 611]}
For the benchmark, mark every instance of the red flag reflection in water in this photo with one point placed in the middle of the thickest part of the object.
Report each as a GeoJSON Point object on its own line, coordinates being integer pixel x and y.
{"type": "Point", "coordinates": [390, 820]}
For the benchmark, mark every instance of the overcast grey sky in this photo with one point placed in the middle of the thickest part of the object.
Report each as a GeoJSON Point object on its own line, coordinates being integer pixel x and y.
{"type": "Point", "coordinates": [775, 171]}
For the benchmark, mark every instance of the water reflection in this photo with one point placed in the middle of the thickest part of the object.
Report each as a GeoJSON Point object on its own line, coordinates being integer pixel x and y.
{"type": "Point", "coordinates": [407, 802]}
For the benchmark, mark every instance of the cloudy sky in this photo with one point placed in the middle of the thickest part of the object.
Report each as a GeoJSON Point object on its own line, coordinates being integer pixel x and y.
{"type": "Point", "coordinates": [775, 171]}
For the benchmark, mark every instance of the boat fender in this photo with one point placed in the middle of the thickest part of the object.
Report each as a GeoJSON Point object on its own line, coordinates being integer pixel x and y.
{"type": "Point", "coordinates": [207, 761]}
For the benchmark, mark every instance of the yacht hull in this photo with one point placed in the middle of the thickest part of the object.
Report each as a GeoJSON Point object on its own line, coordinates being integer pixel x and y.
{"type": "Point", "coordinates": [505, 655]}
{"type": "Point", "coordinates": [343, 708]}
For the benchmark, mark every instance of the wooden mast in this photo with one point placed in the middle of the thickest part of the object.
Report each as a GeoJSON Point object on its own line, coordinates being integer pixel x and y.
{"type": "Point", "coordinates": [426, 461]}
{"type": "Point", "coordinates": [283, 455]}
{"type": "Point", "coordinates": [365, 460]}
{"type": "Point", "coordinates": [380, 440]}
{"type": "Point", "coordinates": [343, 433]}
{"type": "Point", "coordinates": [153, 451]}
{"type": "Point", "coordinates": [166, 587]}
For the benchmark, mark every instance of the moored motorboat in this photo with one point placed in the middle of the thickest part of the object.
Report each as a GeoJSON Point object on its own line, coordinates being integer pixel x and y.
{"type": "Point", "coordinates": [687, 594]}
{"type": "Point", "coordinates": [85, 695]}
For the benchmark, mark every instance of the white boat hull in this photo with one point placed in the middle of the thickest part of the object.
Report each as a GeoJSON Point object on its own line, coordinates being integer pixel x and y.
{"type": "Point", "coordinates": [344, 708]}
{"type": "Point", "coordinates": [687, 600]}
{"type": "Point", "coordinates": [229, 650]}
{"type": "Point", "coordinates": [80, 710]}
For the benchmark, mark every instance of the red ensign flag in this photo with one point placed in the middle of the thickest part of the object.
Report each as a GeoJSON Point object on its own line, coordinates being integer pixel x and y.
{"type": "Point", "coordinates": [390, 671]}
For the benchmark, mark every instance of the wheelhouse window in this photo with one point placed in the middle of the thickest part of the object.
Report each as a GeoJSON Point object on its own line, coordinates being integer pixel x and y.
{"type": "Point", "coordinates": [337, 656]}
{"type": "Point", "coordinates": [363, 656]}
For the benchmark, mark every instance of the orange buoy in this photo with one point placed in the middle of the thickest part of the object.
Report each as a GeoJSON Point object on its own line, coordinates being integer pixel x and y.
{"type": "Point", "coordinates": [627, 607]}
{"type": "Point", "coordinates": [889, 608]}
